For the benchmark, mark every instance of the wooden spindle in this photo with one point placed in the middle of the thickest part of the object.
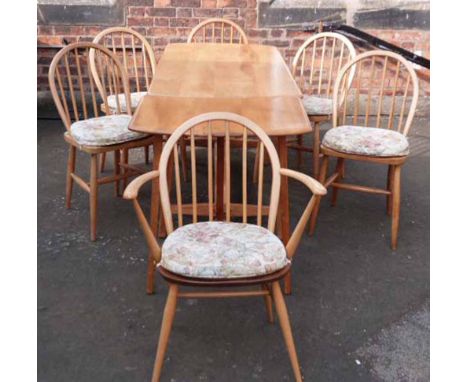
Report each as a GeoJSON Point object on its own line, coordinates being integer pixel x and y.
{"type": "Point", "coordinates": [369, 91]}
{"type": "Point", "coordinates": [80, 82]}
{"type": "Point", "coordinates": [180, 218]}
{"type": "Point", "coordinates": [392, 106]}
{"type": "Point", "coordinates": [210, 172]}
{"type": "Point", "coordinates": [358, 93]}
{"type": "Point", "coordinates": [62, 94]}
{"type": "Point", "coordinates": [135, 66]}
{"type": "Point", "coordinates": [403, 104]}
{"type": "Point", "coordinates": [244, 176]}
{"type": "Point", "coordinates": [71, 89]}
{"type": "Point", "coordinates": [145, 66]}
{"type": "Point", "coordinates": [330, 71]}
{"type": "Point", "coordinates": [312, 63]}
{"type": "Point", "coordinates": [194, 174]}
{"type": "Point", "coordinates": [227, 172]}
{"type": "Point", "coordinates": [321, 66]}
{"type": "Point", "coordinates": [260, 183]}
{"type": "Point", "coordinates": [382, 80]}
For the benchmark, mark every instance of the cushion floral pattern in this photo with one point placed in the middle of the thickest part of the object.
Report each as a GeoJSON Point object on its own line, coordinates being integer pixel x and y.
{"type": "Point", "coordinates": [104, 131]}
{"type": "Point", "coordinates": [134, 99]}
{"type": "Point", "coordinates": [222, 250]}
{"type": "Point", "coordinates": [366, 141]}
{"type": "Point", "coordinates": [317, 105]}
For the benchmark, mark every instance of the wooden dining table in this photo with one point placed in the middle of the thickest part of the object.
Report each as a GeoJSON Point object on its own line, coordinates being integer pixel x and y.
{"type": "Point", "coordinates": [250, 80]}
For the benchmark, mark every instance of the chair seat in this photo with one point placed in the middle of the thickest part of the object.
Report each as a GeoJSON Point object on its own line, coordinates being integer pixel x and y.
{"type": "Point", "coordinates": [314, 105]}
{"type": "Point", "coordinates": [223, 250]}
{"type": "Point", "coordinates": [104, 131]}
{"type": "Point", "coordinates": [135, 99]}
{"type": "Point", "coordinates": [370, 141]}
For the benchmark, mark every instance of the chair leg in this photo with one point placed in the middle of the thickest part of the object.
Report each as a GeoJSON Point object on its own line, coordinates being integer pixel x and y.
{"type": "Point", "coordinates": [300, 156]}
{"type": "Point", "coordinates": [396, 205]}
{"type": "Point", "coordinates": [125, 170]}
{"type": "Point", "coordinates": [316, 152]}
{"type": "Point", "coordinates": [117, 172]}
{"type": "Point", "coordinates": [70, 170]}
{"type": "Point", "coordinates": [103, 162]}
{"type": "Point", "coordinates": [286, 328]}
{"type": "Point", "coordinates": [268, 304]}
{"type": "Point", "coordinates": [151, 267]}
{"type": "Point", "coordinates": [340, 170]}
{"type": "Point", "coordinates": [147, 154]}
{"type": "Point", "coordinates": [322, 178]}
{"type": "Point", "coordinates": [391, 171]}
{"type": "Point", "coordinates": [168, 319]}
{"type": "Point", "coordinates": [93, 188]}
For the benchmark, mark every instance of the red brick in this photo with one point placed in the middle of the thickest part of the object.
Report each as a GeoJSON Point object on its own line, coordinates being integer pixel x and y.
{"type": "Point", "coordinates": [136, 11]}
{"type": "Point", "coordinates": [147, 3]}
{"type": "Point", "coordinates": [202, 12]}
{"type": "Point", "coordinates": [140, 21]}
{"type": "Point", "coordinates": [161, 12]}
{"type": "Point", "coordinates": [231, 12]}
{"type": "Point", "coordinates": [186, 3]}
{"type": "Point", "coordinates": [184, 12]}
{"type": "Point", "coordinates": [208, 3]}
{"type": "Point", "coordinates": [160, 31]}
{"type": "Point", "coordinates": [263, 33]}
{"type": "Point", "coordinates": [232, 3]}
{"type": "Point", "coordinates": [162, 3]}
{"type": "Point", "coordinates": [161, 22]}
{"type": "Point", "coordinates": [277, 33]}
{"type": "Point", "coordinates": [183, 22]}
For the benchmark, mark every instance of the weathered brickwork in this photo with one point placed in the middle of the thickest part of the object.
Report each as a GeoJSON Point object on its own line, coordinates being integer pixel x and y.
{"type": "Point", "coordinates": [168, 21]}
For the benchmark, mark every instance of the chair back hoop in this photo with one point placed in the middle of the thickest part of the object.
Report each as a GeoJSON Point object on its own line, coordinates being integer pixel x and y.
{"type": "Point", "coordinates": [75, 73]}
{"type": "Point", "coordinates": [206, 31]}
{"type": "Point", "coordinates": [137, 55]}
{"type": "Point", "coordinates": [305, 66]}
{"type": "Point", "coordinates": [389, 75]}
{"type": "Point", "coordinates": [226, 123]}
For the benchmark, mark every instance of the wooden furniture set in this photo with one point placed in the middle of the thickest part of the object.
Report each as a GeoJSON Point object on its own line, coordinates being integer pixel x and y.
{"type": "Point", "coordinates": [213, 97]}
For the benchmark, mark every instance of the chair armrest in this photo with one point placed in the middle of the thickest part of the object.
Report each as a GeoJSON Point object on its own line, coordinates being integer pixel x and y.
{"type": "Point", "coordinates": [317, 190]}
{"type": "Point", "coordinates": [313, 185]}
{"type": "Point", "coordinates": [131, 192]}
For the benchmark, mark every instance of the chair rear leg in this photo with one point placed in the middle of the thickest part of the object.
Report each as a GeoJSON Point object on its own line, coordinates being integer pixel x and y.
{"type": "Point", "coordinates": [286, 328]}
{"type": "Point", "coordinates": [103, 162]}
{"type": "Point", "coordinates": [93, 194]}
{"type": "Point", "coordinates": [396, 205]}
{"type": "Point", "coordinates": [166, 326]}
{"type": "Point", "coordinates": [316, 152]}
{"type": "Point", "coordinates": [322, 177]}
{"type": "Point", "coordinates": [125, 170]}
{"type": "Point", "coordinates": [300, 155]}
{"type": "Point", "coordinates": [70, 170]}
{"type": "Point", "coordinates": [340, 170]}
{"type": "Point", "coordinates": [147, 154]}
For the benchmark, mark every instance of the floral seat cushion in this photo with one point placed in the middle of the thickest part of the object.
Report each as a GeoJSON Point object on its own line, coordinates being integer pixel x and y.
{"type": "Point", "coordinates": [317, 105]}
{"type": "Point", "coordinates": [104, 131]}
{"type": "Point", "coordinates": [134, 99]}
{"type": "Point", "coordinates": [220, 250]}
{"type": "Point", "coordinates": [366, 141]}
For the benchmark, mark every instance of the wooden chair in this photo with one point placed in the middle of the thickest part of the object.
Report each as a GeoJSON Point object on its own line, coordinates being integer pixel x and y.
{"type": "Point", "coordinates": [137, 56]}
{"type": "Point", "coordinates": [220, 253]}
{"type": "Point", "coordinates": [386, 85]}
{"type": "Point", "coordinates": [215, 30]}
{"type": "Point", "coordinates": [315, 67]}
{"type": "Point", "coordinates": [80, 76]}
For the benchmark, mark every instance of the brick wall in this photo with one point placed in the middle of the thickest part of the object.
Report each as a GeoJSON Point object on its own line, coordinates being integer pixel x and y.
{"type": "Point", "coordinates": [168, 21]}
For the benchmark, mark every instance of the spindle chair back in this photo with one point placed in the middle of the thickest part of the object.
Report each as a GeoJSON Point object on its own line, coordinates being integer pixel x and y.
{"type": "Point", "coordinates": [385, 89]}
{"type": "Point", "coordinates": [315, 68]}
{"type": "Point", "coordinates": [82, 76]}
{"type": "Point", "coordinates": [218, 30]}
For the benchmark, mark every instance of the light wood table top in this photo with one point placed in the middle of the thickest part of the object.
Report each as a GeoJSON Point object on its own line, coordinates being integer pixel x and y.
{"type": "Point", "coordinates": [250, 80]}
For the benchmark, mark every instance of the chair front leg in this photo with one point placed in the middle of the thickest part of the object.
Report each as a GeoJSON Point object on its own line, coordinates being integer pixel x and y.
{"type": "Point", "coordinates": [396, 205]}
{"type": "Point", "coordinates": [391, 171]}
{"type": "Point", "coordinates": [268, 303]}
{"type": "Point", "coordinates": [300, 156]}
{"type": "Point", "coordinates": [340, 171]}
{"type": "Point", "coordinates": [103, 162]}
{"type": "Point", "coordinates": [93, 195]}
{"type": "Point", "coordinates": [117, 172]}
{"type": "Point", "coordinates": [125, 170]}
{"type": "Point", "coordinates": [147, 154]}
{"type": "Point", "coordinates": [166, 326]}
{"type": "Point", "coordinates": [286, 329]}
{"type": "Point", "coordinates": [322, 177]}
{"type": "Point", "coordinates": [70, 170]}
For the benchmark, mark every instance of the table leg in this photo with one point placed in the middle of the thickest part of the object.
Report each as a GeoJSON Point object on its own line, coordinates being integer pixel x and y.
{"type": "Point", "coordinates": [155, 202]}
{"type": "Point", "coordinates": [284, 204]}
{"type": "Point", "coordinates": [220, 179]}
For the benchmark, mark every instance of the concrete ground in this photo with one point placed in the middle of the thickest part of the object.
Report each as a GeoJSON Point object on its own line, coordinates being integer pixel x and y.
{"type": "Point", "coordinates": [359, 311]}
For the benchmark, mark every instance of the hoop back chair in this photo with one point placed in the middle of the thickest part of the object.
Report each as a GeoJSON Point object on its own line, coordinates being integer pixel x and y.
{"type": "Point", "coordinates": [371, 120]}
{"type": "Point", "coordinates": [218, 30]}
{"type": "Point", "coordinates": [219, 252]}
{"type": "Point", "coordinates": [137, 56]}
{"type": "Point", "coordinates": [81, 76]}
{"type": "Point", "coordinates": [315, 68]}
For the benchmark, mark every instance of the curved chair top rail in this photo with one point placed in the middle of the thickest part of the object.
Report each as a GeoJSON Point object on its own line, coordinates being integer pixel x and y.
{"type": "Point", "coordinates": [385, 83]}
{"type": "Point", "coordinates": [76, 72]}
{"type": "Point", "coordinates": [219, 127]}
{"type": "Point", "coordinates": [212, 30]}
{"type": "Point", "coordinates": [318, 61]}
{"type": "Point", "coordinates": [134, 51]}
